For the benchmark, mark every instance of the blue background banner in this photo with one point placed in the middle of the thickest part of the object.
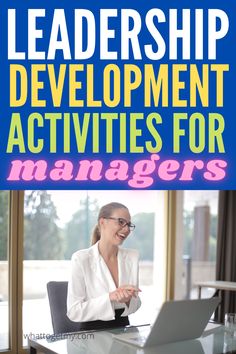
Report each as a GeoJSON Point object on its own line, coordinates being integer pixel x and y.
{"type": "Point", "coordinates": [103, 95]}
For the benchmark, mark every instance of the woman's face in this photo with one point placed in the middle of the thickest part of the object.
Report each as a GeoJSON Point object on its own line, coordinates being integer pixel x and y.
{"type": "Point", "coordinates": [114, 228]}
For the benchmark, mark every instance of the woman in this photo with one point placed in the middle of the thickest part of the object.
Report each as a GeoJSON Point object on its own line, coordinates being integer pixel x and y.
{"type": "Point", "coordinates": [104, 282]}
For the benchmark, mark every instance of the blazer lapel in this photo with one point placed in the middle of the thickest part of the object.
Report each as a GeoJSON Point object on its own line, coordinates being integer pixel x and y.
{"type": "Point", "coordinates": [124, 267]}
{"type": "Point", "coordinates": [100, 269]}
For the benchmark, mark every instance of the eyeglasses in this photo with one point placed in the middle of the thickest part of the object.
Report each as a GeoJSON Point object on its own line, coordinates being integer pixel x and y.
{"type": "Point", "coordinates": [122, 222]}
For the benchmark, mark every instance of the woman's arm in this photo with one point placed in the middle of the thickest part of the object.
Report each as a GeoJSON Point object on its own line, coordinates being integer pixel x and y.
{"type": "Point", "coordinates": [135, 301]}
{"type": "Point", "coordinates": [133, 306]}
{"type": "Point", "coordinates": [79, 308]}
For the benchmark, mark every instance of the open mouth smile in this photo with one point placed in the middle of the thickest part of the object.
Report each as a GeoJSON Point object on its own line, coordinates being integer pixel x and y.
{"type": "Point", "coordinates": [121, 236]}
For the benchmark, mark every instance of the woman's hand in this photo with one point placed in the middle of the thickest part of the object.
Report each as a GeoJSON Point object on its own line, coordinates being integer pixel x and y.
{"type": "Point", "coordinates": [124, 293]}
{"type": "Point", "coordinates": [131, 289]}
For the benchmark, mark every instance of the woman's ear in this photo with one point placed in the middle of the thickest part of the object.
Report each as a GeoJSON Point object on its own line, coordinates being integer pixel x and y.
{"type": "Point", "coordinates": [101, 222]}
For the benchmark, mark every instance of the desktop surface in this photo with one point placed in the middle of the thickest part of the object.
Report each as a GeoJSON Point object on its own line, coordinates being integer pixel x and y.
{"type": "Point", "coordinates": [215, 341]}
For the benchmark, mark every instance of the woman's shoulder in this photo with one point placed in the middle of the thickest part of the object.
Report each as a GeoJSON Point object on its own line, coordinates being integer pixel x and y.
{"type": "Point", "coordinates": [129, 252]}
{"type": "Point", "coordinates": [83, 254]}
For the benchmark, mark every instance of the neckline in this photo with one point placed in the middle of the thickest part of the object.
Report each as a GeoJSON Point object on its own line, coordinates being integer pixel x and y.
{"type": "Point", "coordinates": [108, 270]}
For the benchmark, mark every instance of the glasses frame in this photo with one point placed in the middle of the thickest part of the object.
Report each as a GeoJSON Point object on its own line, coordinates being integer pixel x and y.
{"type": "Point", "coordinates": [130, 225]}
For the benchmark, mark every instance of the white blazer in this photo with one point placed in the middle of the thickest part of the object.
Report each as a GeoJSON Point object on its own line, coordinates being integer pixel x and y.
{"type": "Point", "coordinates": [91, 282]}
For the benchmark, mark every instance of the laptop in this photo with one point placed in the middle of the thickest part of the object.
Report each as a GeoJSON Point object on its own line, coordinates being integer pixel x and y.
{"type": "Point", "coordinates": [176, 321]}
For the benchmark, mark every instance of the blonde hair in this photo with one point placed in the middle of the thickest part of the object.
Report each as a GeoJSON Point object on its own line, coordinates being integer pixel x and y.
{"type": "Point", "coordinates": [105, 212]}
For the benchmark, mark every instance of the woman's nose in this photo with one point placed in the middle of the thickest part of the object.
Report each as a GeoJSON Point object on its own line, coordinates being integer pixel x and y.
{"type": "Point", "coordinates": [126, 228]}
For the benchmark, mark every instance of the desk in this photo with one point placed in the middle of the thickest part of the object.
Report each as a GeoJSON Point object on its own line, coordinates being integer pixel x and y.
{"type": "Point", "coordinates": [219, 285]}
{"type": "Point", "coordinates": [215, 341]}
